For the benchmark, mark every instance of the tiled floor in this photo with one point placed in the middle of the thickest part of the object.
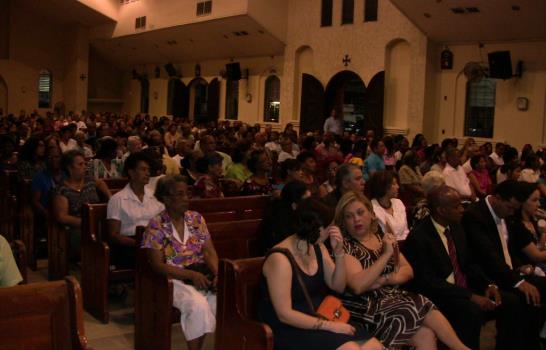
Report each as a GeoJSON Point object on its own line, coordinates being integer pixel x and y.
{"type": "Point", "coordinates": [119, 333]}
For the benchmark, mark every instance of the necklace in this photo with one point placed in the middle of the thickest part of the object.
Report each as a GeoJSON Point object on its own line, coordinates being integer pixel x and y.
{"type": "Point", "coordinates": [300, 251]}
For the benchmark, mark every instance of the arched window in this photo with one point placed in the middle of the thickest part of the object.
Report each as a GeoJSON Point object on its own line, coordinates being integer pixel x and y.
{"type": "Point", "coordinates": [272, 100]}
{"type": "Point", "coordinates": [144, 95]}
{"type": "Point", "coordinates": [480, 107]}
{"type": "Point", "coordinates": [45, 85]}
{"type": "Point", "coordinates": [170, 96]}
{"type": "Point", "coordinates": [232, 99]}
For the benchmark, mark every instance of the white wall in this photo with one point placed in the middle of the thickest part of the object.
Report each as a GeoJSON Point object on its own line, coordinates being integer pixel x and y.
{"type": "Point", "coordinates": [169, 13]}
{"type": "Point", "coordinates": [510, 125]}
{"type": "Point", "coordinates": [364, 42]}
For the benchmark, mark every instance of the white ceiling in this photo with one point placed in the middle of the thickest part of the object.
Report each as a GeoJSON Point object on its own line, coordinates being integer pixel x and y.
{"type": "Point", "coordinates": [495, 21]}
{"type": "Point", "coordinates": [194, 42]}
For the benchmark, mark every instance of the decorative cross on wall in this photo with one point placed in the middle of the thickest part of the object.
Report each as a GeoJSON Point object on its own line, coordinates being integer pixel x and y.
{"type": "Point", "coordinates": [346, 60]}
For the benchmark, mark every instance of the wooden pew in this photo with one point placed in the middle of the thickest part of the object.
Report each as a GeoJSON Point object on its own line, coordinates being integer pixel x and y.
{"type": "Point", "coordinates": [20, 255]}
{"type": "Point", "coordinates": [238, 296]}
{"type": "Point", "coordinates": [96, 272]}
{"type": "Point", "coordinates": [26, 221]}
{"type": "Point", "coordinates": [42, 316]}
{"type": "Point", "coordinates": [231, 209]}
{"type": "Point", "coordinates": [58, 250]}
{"type": "Point", "coordinates": [154, 313]}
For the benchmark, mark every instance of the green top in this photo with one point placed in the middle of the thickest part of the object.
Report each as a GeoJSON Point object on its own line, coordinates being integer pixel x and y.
{"type": "Point", "coordinates": [237, 171]}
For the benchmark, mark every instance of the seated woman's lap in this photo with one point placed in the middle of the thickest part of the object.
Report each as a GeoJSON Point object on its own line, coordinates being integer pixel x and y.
{"type": "Point", "coordinates": [198, 310]}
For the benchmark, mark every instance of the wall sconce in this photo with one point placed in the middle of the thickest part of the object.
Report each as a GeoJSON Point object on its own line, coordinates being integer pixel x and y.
{"type": "Point", "coordinates": [83, 77]}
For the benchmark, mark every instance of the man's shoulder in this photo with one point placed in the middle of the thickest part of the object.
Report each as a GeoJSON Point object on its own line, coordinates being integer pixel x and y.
{"type": "Point", "coordinates": [421, 229]}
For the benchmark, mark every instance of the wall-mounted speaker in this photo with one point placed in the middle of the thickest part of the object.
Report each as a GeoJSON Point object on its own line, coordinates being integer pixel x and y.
{"type": "Point", "coordinates": [170, 69]}
{"type": "Point", "coordinates": [500, 65]}
{"type": "Point", "coordinates": [233, 71]}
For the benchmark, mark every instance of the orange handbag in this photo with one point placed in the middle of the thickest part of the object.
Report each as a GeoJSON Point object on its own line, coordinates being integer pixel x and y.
{"type": "Point", "coordinates": [332, 309]}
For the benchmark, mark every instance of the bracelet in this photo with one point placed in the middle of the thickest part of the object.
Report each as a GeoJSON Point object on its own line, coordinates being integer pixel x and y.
{"type": "Point", "coordinates": [493, 285]}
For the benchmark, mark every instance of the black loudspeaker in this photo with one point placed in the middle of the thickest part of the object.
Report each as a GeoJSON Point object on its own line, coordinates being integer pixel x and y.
{"type": "Point", "coordinates": [500, 65]}
{"type": "Point", "coordinates": [233, 71]}
{"type": "Point", "coordinates": [171, 70]}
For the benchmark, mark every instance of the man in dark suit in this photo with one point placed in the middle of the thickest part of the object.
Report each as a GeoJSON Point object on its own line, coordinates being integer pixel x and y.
{"type": "Point", "coordinates": [438, 252]}
{"type": "Point", "coordinates": [487, 237]}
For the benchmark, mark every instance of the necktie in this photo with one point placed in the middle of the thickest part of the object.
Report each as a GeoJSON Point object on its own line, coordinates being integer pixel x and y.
{"type": "Point", "coordinates": [460, 279]}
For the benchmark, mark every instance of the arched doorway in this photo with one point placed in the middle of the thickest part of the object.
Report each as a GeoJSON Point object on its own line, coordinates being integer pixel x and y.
{"type": "Point", "coordinates": [346, 93]}
{"type": "Point", "coordinates": [198, 99]}
{"type": "Point", "coordinates": [312, 103]}
{"type": "Point", "coordinates": [178, 99]}
{"type": "Point", "coordinates": [204, 100]}
{"type": "Point", "coordinates": [144, 95]}
{"type": "Point", "coordinates": [3, 97]}
{"type": "Point", "coordinates": [374, 102]}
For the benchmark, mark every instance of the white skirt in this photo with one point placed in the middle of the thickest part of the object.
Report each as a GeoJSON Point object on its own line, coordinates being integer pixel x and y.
{"type": "Point", "coordinates": [197, 309]}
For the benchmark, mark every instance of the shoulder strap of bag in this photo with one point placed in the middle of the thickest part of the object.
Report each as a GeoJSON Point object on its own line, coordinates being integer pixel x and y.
{"type": "Point", "coordinates": [296, 271]}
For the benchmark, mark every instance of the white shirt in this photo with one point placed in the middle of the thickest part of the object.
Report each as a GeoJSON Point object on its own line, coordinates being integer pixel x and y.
{"type": "Point", "coordinates": [503, 232]}
{"type": "Point", "coordinates": [467, 167]}
{"type": "Point", "coordinates": [529, 175]}
{"type": "Point", "coordinates": [398, 221]}
{"type": "Point", "coordinates": [125, 207]}
{"type": "Point", "coordinates": [457, 179]}
{"type": "Point", "coordinates": [333, 125]}
{"type": "Point", "coordinates": [285, 155]}
{"type": "Point", "coordinates": [70, 145]}
{"type": "Point", "coordinates": [273, 147]}
{"type": "Point", "coordinates": [496, 159]}
{"type": "Point", "coordinates": [441, 229]}
{"type": "Point", "coordinates": [178, 158]}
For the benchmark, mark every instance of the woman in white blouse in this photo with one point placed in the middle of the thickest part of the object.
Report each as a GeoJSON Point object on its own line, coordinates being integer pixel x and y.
{"type": "Point", "coordinates": [389, 210]}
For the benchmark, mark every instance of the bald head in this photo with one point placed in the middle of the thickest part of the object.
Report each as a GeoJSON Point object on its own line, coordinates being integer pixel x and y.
{"type": "Point", "coordinates": [445, 205]}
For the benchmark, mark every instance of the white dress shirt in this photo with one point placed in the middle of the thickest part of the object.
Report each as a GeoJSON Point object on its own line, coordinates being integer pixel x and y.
{"type": "Point", "coordinates": [457, 179]}
{"type": "Point", "coordinates": [127, 208]}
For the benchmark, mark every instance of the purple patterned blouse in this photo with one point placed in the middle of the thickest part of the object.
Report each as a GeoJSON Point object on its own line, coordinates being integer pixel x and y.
{"type": "Point", "coordinates": [159, 235]}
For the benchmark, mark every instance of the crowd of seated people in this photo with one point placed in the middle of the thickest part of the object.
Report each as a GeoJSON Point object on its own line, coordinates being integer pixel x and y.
{"type": "Point", "coordinates": [422, 242]}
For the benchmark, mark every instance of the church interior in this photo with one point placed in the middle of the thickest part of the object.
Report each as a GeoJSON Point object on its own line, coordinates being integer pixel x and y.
{"type": "Point", "coordinates": [399, 69]}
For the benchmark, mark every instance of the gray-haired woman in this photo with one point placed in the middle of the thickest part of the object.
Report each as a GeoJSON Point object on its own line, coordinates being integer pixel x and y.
{"type": "Point", "coordinates": [180, 247]}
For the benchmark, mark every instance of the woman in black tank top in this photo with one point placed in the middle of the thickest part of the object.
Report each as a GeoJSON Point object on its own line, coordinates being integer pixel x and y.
{"type": "Point", "coordinates": [284, 306]}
